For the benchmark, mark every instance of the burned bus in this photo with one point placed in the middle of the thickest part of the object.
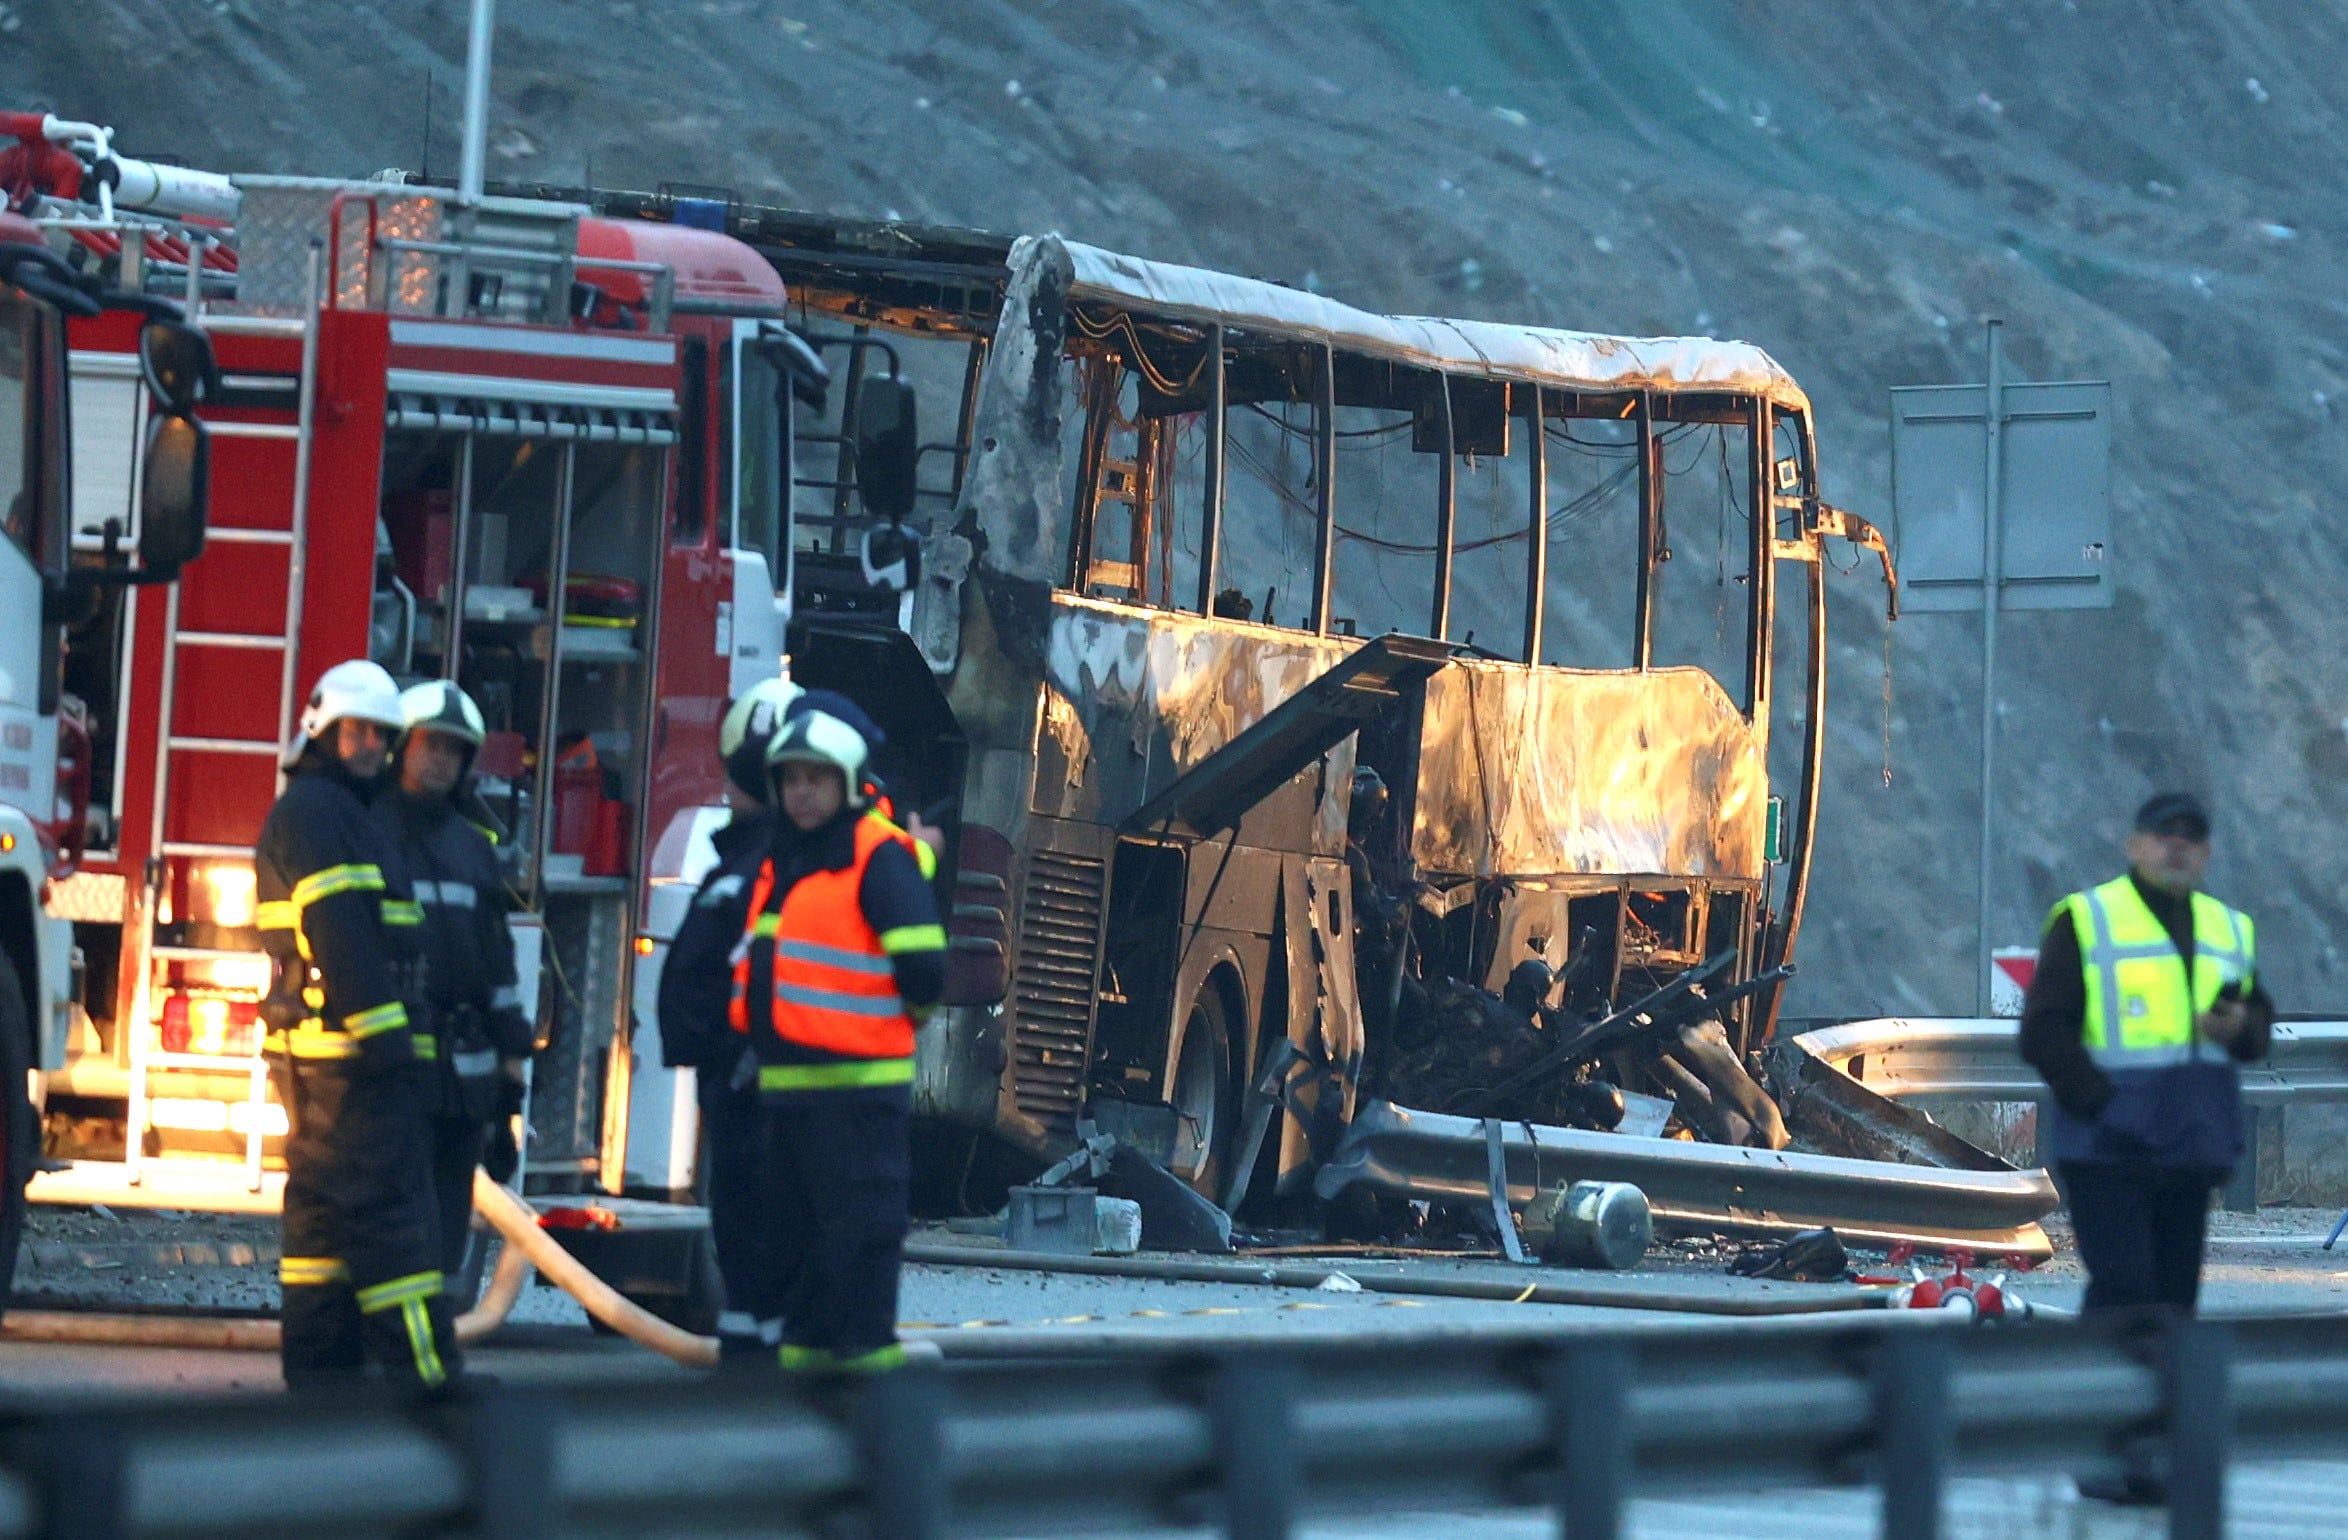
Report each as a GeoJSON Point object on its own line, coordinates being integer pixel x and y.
{"type": "Point", "coordinates": [1291, 674]}
{"type": "Point", "coordinates": [1287, 674]}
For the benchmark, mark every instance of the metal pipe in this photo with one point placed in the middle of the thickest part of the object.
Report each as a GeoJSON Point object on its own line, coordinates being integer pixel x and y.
{"type": "Point", "coordinates": [1179, 1269]}
{"type": "Point", "coordinates": [1325, 511]}
{"type": "Point", "coordinates": [1992, 574]}
{"type": "Point", "coordinates": [297, 560]}
{"type": "Point", "coordinates": [1760, 559]}
{"type": "Point", "coordinates": [477, 47]}
{"type": "Point", "coordinates": [1210, 544]}
{"type": "Point", "coordinates": [1537, 535]}
{"type": "Point", "coordinates": [1650, 526]}
{"type": "Point", "coordinates": [1446, 511]}
{"type": "Point", "coordinates": [558, 589]}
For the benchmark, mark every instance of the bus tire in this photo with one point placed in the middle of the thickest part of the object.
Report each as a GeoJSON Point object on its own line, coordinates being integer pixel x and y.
{"type": "Point", "coordinates": [20, 1133]}
{"type": "Point", "coordinates": [1204, 1090]}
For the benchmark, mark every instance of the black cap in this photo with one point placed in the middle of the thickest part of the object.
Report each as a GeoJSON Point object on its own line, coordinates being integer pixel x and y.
{"type": "Point", "coordinates": [2174, 812]}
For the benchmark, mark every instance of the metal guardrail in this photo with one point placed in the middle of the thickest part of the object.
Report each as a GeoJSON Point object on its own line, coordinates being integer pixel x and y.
{"type": "Point", "coordinates": [1246, 1443]}
{"type": "Point", "coordinates": [1700, 1187]}
{"type": "Point", "coordinates": [1976, 1059]}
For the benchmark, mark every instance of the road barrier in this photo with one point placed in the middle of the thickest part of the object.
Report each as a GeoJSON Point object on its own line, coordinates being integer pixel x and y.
{"type": "Point", "coordinates": [1247, 1443]}
{"type": "Point", "coordinates": [1903, 1058]}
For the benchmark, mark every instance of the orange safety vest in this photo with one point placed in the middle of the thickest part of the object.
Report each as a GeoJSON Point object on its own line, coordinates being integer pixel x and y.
{"type": "Point", "coordinates": [834, 986]}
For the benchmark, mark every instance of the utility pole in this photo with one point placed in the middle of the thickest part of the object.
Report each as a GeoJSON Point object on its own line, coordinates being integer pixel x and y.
{"type": "Point", "coordinates": [469, 168]}
{"type": "Point", "coordinates": [1992, 580]}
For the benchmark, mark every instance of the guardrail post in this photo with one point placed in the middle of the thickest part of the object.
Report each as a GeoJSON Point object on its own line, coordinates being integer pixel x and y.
{"type": "Point", "coordinates": [76, 1463]}
{"type": "Point", "coordinates": [901, 1452]}
{"type": "Point", "coordinates": [507, 1438]}
{"type": "Point", "coordinates": [1914, 1441]}
{"type": "Point", "coordinates": [1589, 1391]}
{"type": "Point", "coordinates": [2201, 1428]}
{"type": "Point", "coordinates": [1253, 1404]}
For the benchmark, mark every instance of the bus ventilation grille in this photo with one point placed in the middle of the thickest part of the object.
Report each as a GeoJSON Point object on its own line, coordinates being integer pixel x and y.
{"type": "Point", "coordinates": [1059, 939]}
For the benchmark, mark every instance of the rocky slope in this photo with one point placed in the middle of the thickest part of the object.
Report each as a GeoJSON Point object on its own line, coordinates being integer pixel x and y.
{"type": "Point", "coordinates": [2143, 189]}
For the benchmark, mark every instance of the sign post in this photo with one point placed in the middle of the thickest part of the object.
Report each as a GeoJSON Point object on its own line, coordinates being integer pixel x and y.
{"type": "Point", "coordinates": [2001, 500]}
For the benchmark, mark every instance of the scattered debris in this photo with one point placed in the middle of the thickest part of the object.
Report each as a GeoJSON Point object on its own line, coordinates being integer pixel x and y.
{"type": "Point", "coordinates": [1814, 1256]}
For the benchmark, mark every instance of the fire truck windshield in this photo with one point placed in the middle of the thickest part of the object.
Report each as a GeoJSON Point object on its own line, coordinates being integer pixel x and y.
{"type": "Point", "coordinates": [759, 468]}
{"type": "Point", "coordinates": [17, 349]}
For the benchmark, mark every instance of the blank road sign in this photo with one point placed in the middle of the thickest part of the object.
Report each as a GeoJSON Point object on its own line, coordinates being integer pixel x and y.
{"type": "Point", "coordinates": [2055, 495]}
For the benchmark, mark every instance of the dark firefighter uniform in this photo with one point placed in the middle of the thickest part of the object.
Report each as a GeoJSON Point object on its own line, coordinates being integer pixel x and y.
{"type": "Point", "coordinates": [471, 983]}
{"type": "Point", "coordinates": [842, 951]}
{"type": "Point", "coordinates": [351, 1049]}
{"type": "Point", "coordinates": [2148, 1114]}
{"type": "Point", "coordinates": [694, 1033]}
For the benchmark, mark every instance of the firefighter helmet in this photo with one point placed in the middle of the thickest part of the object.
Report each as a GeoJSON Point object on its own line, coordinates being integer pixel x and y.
{"type": "Point", "coordinates": [819, 738]}
{"type": "Point", "coordinates": [438, 706]}
{"type": "Point", "coordinates": [357, 689]}
{"type": "Point", "coordinates": [749, 727]}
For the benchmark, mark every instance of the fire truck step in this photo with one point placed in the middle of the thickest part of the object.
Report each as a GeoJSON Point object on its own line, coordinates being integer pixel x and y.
{"type": "Point", "coordinates": [219, 536]}
{"type": "Point", "coordinates": [285, 430]}
{"type": "Point", "coordinates": [225, 745]}
{"type": "Point", "coordinates": [231, 639]}
{"type": "Point", "coordinates": [199, 953]}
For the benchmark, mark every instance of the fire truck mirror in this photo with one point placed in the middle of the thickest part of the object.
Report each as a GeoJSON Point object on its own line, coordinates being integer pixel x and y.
{"type": "Point", "coordinates": [172, 495]}
{"type": "Point", "coordinates": [177, 361]}
{"type": "Point", "coordinates": [886, 447]}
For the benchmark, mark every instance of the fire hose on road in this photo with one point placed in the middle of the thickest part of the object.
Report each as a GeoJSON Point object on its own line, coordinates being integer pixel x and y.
{"type": "Point", "coordinates": [528, 1247]}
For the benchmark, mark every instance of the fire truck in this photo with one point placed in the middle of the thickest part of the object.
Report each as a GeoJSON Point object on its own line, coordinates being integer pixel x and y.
{"type": "Point", "coordinates": [497, 440]}
{"type": "Point", "coordinates": [46, 581]}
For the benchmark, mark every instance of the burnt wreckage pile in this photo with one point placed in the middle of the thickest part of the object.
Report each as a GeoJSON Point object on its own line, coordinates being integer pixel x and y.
{"type": "Point", "coordinates": [1583, 1043]}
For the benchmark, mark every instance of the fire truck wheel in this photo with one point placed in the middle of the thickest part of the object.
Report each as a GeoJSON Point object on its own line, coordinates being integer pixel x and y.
{"type": "Point", "coordinates": [20, 1138]}
{"type": "Point", "coordinates": [1204, 1096]}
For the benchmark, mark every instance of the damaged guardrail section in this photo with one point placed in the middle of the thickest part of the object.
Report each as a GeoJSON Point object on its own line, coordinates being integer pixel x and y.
{"type": "Point", "coordinates": [1700, 1187]}
{"type": "Point", "coordinates": [1248, 1444]}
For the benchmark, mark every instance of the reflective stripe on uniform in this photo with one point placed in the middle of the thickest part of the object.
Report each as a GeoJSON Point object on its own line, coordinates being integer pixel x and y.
{"type": "Point", "coordinates": [389, 1017]}
{"type": "Point", "coordinates": [878, 1361]}
{"type": "Point", "coordinates": [474, 1064]}
{"type": "Point", "coordinates": [276, 914]}
{"type": "Point", "coordinates": [505, 997]}
{"type": "Point", "coordinates": [803, 1360]}
{"type": "Point", "coordinates": [449, 895]}
{"type": "Point", "coordinates": [880, 1006]}
{"type": "Point", "coordinates": [427, 1047]}
{"type": "Point", "coordinates": [913, 938]}
{"type": "Point", "coordinates": [832, 1077]}
{"type": "Point", "coordinates": [311, 1272]}
{"type": "Point", "coordinates": [831, 956]}
{"type": "Point", "coordinates": [402, 911]}
{"type": "Point", "coordinates": [393, 1291]}
{"type": "Point", "coordinates": [412, 1296]}
{"type": "Point", "coordinates": [353, 878]}
{"type": "Point", "coordinates": [311, 1040]}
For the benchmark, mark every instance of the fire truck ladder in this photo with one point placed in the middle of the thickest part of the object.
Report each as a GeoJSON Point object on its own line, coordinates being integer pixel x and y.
{"type": "Point", "coordinates": [146, 1054]}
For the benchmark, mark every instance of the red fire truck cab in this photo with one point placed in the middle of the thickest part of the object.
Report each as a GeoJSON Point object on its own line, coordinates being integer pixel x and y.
{"type": "Point", "coordinates": [503, 442]}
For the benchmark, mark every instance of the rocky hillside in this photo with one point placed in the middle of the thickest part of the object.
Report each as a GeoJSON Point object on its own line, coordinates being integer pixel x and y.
{"type": "Point", "coordinates": [2144, 189]}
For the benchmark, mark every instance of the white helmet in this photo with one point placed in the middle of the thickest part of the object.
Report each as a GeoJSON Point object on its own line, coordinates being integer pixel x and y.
{"type": "Point", "coordinates": [749, 728]}
{"type": "Point", "coordinates": [819, 738]}
{"type": "Point", "coordinates": [438, 706]}
{"type": "Point", "coordinates": [358, 689]}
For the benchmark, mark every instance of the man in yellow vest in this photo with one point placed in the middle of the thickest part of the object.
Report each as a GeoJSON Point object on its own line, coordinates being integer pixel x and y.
{"type": "Point", "coordinates": [2145, 998]}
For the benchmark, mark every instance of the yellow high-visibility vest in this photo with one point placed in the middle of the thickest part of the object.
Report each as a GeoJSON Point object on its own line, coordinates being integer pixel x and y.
{"type": "Point", "coordinates": [2140, 1005]}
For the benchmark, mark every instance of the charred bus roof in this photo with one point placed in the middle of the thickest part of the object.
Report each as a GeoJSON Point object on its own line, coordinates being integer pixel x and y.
{"type": "Point", "coordinates": [951, 279]}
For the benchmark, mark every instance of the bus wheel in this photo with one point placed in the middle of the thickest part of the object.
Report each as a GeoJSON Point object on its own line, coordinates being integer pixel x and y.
{"type": "Point", "coordinates": [1205, 1102]}
{"type": "Point", "coordinates": [20, 1135]}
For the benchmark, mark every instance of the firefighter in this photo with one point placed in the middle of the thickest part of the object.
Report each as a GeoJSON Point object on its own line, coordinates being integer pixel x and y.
{"type": "Point", "coordinates": [484, 1039]}
{"type": "Point", "coordinates": [350, 1044]}
{"type": "Point", "coordinates": [695, 1034]}
{"type": "Point", "coordinates": [842, 953]}
{"type": "Point", "coordinates": [2145, 997]}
